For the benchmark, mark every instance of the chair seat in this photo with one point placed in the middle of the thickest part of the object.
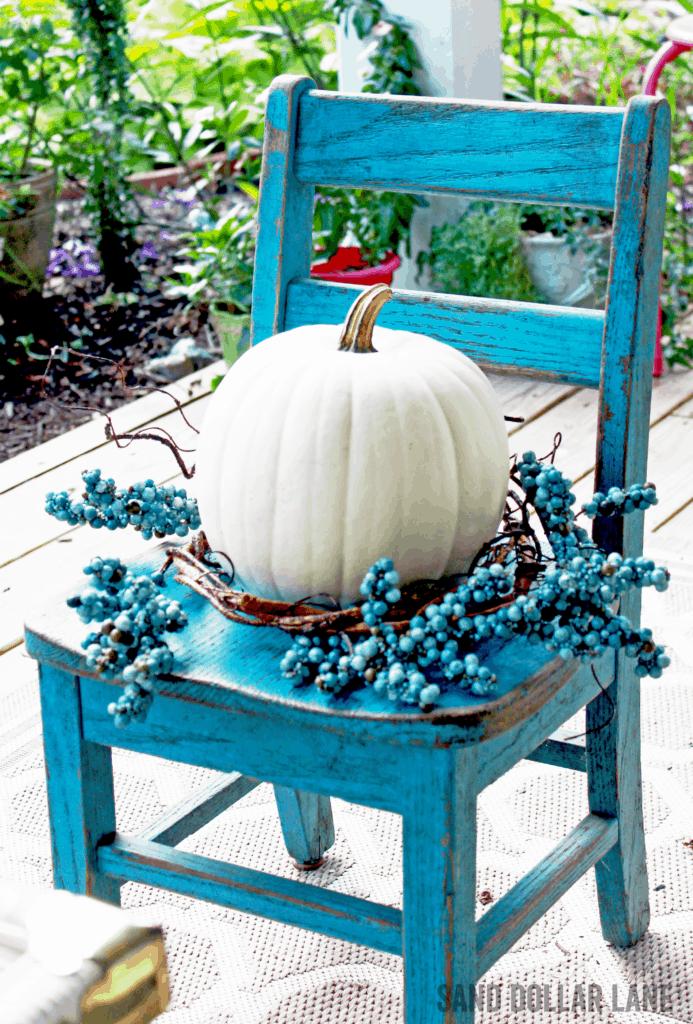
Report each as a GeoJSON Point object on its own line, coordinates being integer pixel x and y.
{"type": "Point", "coordinates": [220, 663]}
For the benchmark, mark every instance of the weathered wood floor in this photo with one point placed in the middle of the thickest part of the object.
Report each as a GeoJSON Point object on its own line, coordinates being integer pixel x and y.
{"type": "Point", "coordinates": [38, 554]}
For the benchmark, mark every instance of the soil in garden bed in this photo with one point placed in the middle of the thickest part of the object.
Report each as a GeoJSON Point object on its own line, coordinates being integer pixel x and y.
{"type": "Point", "coordinates": [104, 340]}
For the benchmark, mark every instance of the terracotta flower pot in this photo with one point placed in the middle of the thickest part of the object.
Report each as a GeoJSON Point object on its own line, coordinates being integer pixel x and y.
{"type": "Point", "coordinates": [335, 269]}
{"type": "Point", "coordinates": [27, 240]}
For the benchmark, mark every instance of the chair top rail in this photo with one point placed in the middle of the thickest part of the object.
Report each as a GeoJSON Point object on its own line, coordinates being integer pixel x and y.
{"type": "Point", "coordinates": [545, 153]}
{"type": "Point", "coordinates": [553, 343]}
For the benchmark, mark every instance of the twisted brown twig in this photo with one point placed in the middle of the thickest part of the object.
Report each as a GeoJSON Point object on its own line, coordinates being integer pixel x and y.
{"type": "Point", "coordinates": [110, 431]}
{"type": "Point", "coordinates": [140, 435]}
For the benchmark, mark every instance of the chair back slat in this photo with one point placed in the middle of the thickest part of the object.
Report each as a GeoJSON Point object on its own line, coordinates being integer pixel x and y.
{"type": "Point", "coordinates": [527, 152]}
{"type": "Point", "coordinates": [543, 342]}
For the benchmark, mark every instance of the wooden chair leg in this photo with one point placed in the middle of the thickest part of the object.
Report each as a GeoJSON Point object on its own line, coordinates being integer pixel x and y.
{"type": "Point", "coordinates": [439, 860]}
{"type": "Point", "coordinates": [615, 789]}
{"type": "Point", "coordinates": [79, 776]}
{"type": "Point", "coordinates": [306, 820]}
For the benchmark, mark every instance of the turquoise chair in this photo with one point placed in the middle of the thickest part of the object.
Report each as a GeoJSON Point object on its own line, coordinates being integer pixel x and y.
{"type": "Point", "coordinates": [228, 708]}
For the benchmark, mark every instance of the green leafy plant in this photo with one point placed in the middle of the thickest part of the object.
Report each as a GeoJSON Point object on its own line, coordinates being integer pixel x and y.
{"type": "Point", "coordinates": [219, 262]}
{"type": "Point", "coordinates": [575, 52]}
{"type": "Point", "coordinates": [101, 24]}
{"type": "Point", "coordinates": [595, 52]}
{"type": "Point", "coordinates": [200, 70]}
{"type": "Point", "coordinates": [296, 32]}
{"type": "Point", "coordinates": [17, 203]}
{"type": "Point", "coordinates": [583, 230]}
{"type": "Point", "coordinates": [481, 255]}
{"type": "Point", "coordinates": [36, 62]}
{"type": "Point", "coordinates": [394, 60]}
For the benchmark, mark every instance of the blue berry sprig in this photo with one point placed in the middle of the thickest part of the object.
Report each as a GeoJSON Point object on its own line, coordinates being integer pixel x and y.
{"type": "Point", "coordinates": [568, 608]}
{"type": "Point", "coordinates": [134, 615]}
{"type": "Point", "coordinates": [548, 491]}
{"type": "Point", "coordinates": [620, 503]}
{"type": "Point", "coordinates": [382, 660]}
{"type": "Point", "coordinates": [154, 510]}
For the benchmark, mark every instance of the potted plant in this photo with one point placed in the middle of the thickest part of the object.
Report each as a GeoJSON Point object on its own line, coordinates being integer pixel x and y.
{"type": "Point", "coordinates": [481, 255]}
{"type": "Point", "coordinates": [218, 270]}
{"type": "Point", "coordinates": [357, 234]}
{"type": "Point", "coordinates": [32, 72]}
{"type": "Point", "coordinates": [219, 254]}
{"type": "Point", "coordinates": [525, 253]}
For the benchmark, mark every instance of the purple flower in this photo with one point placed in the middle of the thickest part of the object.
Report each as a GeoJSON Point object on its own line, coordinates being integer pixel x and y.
{"type": "Point", "coordinates": [64, 261]}
{"type": "Point", "coordinates": [58, 259]}
{"type": "Point", "coordinates": [89, 265]}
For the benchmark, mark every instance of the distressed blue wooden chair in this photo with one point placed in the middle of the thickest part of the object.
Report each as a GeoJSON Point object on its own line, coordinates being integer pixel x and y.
{"type": "Point", "coordinates": [228, 707]}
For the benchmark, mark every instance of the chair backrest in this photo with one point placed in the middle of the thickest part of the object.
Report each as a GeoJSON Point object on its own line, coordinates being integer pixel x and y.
{"type": "Point", "coordinates": [591, 157]}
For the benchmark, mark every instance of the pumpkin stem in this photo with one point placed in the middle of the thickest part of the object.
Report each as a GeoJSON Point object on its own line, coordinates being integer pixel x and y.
{"type": "Point", "coordinates": [357, 332]}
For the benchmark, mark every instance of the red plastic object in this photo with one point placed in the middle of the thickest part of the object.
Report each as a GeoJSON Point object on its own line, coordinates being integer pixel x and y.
{"type": "Point", "coordinates": [658, 367]}
{"type": "Point", "coordinates": [667, 52]}
{"type": "Point", "coordinates": [350, 256]}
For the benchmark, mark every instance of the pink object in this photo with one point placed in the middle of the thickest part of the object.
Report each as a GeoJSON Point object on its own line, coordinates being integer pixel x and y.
{"type": "Point", "coordinates": [665, 54]}
{"type": "Point", "coordinates": [680, 40]}
{"type": "Point", "coordinates": [348, 256]}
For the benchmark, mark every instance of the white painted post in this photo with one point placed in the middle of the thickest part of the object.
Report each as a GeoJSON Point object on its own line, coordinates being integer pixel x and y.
{"type": "Point", "coordinates": [458, 42]}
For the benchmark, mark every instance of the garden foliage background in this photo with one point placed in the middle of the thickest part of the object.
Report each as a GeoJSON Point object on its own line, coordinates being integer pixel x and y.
{"type": "Point", "coordinates": [190, 79]}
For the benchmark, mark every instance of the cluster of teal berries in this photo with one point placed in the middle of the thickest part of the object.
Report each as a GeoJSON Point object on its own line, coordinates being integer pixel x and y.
{"type": "Point", "coordinates": [134, 615]}
{"type": "Point", "coordinates": [157, 511]}
{"type": "Point", "coordinates": [568, 607]}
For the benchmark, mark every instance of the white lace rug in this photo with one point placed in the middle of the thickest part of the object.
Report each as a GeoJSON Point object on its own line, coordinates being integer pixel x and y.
{"type": "Point", "coordinates": [230, 967]}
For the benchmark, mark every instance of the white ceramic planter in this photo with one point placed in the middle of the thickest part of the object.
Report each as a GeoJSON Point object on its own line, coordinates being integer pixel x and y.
{"type": "Point", "coordinates": [562, 275]}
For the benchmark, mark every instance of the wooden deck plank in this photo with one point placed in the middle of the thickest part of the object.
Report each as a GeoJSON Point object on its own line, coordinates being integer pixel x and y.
{"type": "Point", "coordinates": [669, 393]}
{"type": "Point", "coordinates": [126, 465]}
{"type": "Point", "coordinates": [576, 420]}
{"type": "Point", "coordinates": [676, 533]}
{"type": "Point", "coordinates": [516, 395]}
{"type": "Point", "coordinates": [90, 436]}
{"type": "Point", "coordinates": [48, 546]}
{"type": "Point", "coordinates": [526, 398]}
{"type": "Point", "coordinates": [29, 581]}
{"type": "Point", "coordinates": [670, 467]}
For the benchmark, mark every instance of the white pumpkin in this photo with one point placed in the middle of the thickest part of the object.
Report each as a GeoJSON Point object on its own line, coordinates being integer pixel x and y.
{"type": "Point", "coordinates": [314, 461]}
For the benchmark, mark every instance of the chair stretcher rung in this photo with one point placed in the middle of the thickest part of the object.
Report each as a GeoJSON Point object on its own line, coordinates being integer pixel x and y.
{"type": "Point", "coordinates": [560, 753]}
{"type": "Point", "coordinates": [532, 896]}
{"type": "Point", "coordinates": [254, 892]}
{"type": "Point", "coordinates": [198, 809]}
